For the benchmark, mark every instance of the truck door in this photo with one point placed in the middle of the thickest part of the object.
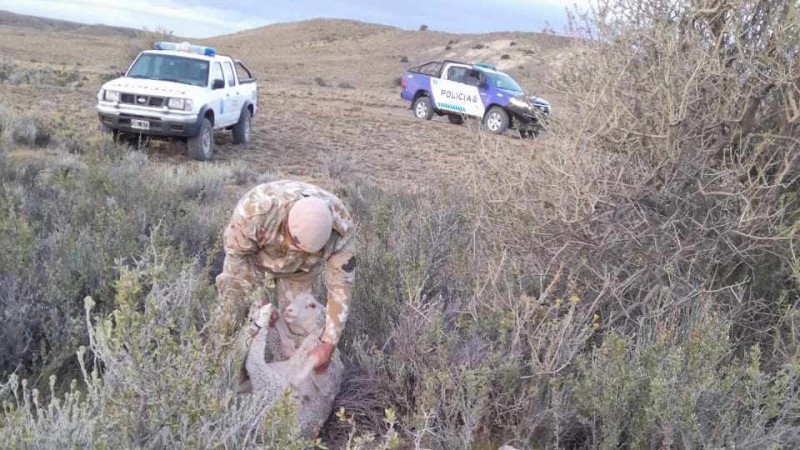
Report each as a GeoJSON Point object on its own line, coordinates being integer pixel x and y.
{"type": "Point", "coordinates": [246, 84]}
{"type": "Point", "coordinates": [455, 93]}
{"type": "Point", "coordinates": [233, 96]}
{"type": "Point", "coordinates": [220, 103]}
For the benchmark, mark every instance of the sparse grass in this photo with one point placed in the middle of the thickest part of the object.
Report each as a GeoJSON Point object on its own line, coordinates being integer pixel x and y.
{"type": "Point", "coordinates": [404, 59]}
{"type": "Point", "coordinates": [478, 47]}
{"type": "Point", "coordinates": [60, 76]}
{"type": "Point", "coordinates": [321, 82]}
{"type": "Point", "coordinates": [346, 85]}
{"type": "Point", "coordinates": [505, 56]}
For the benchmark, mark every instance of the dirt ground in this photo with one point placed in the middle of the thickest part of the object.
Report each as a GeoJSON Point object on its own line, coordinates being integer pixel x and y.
{"type": "Point", "coordinates": [303, 129]}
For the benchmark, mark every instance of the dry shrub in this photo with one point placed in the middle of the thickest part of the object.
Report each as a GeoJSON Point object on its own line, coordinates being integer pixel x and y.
{"type": "Point", "coordinates": [631, 282]}
{"type": "Point", "coordinates": [146, 40]}
{"type": "Point", "coordinates": [668, 192]}
{"type": "Point", "coordinates": [30, 129]}
{"type": "Point", "coordinates": [60, 76]}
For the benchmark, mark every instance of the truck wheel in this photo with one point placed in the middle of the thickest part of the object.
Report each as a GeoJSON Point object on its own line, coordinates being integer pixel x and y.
{"type": "Point", "coordinates": [107, 130]}
{"type": "Point", "coordinates": [423, 109]}
{"type": "Point", "coordinates": [202, 146]}
{"type": "Point", "coordinates": [496, 120]}
{"type": "Point", "coordinates": [241, 131]}
{"type": "Point", "coordinates": [455, 119]}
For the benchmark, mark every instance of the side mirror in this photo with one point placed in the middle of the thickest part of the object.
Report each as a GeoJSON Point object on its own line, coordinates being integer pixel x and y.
{"type": "Point", "coordinates": [218, 84]}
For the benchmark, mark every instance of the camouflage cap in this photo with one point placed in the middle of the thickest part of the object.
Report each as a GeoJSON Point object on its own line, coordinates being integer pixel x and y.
{"type": "Point", "coordinates": [310, 223]}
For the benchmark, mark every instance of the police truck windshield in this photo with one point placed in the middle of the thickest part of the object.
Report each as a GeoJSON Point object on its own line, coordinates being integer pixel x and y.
{"type": "Point", "coordinates": [503, 81]}
{"type": "Point", "coordinates": [170, 68]}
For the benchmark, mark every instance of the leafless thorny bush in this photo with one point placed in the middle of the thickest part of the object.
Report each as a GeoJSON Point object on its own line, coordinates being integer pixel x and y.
{"type": "Point", "coordinates": [671, 186]}
{"type": "Point", "coordinates": [146, 39]}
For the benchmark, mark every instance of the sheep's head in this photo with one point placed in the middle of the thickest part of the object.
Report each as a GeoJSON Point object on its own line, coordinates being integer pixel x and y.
{"type": "Point", "coordinates": [304, 314]}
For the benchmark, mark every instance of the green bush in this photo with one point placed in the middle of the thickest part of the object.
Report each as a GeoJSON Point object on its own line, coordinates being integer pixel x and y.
{"type": "Point", "coordinates": [683, 391]}
{"type": "Point", "coordinates": [69, 221]}
{"type": "Point", "coordinates": [151, 380]}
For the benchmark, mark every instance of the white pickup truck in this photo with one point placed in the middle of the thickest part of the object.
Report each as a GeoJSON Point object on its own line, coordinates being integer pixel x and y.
{"type": "Point", "coordinates": [181, 91]}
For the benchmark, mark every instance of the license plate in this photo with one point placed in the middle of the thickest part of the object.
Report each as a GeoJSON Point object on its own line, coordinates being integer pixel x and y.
{"type": "Point", "coordinates": [140, 124]}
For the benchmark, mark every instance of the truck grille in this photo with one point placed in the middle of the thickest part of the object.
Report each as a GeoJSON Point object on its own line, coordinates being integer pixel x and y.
{"type": "Point", "coordinates": [142, 100]}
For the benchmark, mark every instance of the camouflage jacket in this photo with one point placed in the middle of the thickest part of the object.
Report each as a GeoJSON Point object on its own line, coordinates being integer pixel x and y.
{"type": "Point", "coordinates": [256, 244]}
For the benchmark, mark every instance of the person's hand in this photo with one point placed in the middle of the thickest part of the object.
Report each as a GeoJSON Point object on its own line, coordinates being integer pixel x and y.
{"type": "Point", "coordinates": [321, 356]}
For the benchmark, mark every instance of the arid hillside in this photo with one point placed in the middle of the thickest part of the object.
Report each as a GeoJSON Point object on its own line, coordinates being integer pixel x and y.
{"type": "Point", "coordinates": [328, 90]}
{"type": "Point", "coordinates": [372, 56]}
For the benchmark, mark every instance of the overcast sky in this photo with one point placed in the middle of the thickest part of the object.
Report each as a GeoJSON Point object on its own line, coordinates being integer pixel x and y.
{"type": "Point", "coordinates": [204, 18]}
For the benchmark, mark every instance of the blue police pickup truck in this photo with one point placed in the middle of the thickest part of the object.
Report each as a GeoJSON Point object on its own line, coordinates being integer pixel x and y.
{"type": "Point", "coordinates": [460, 90]}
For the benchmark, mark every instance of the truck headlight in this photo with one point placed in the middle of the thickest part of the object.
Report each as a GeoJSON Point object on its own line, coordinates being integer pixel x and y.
{"type": "Point", "coordinates": [519, 103]}
{"type": "Point", "coordinates": [111, 96]}
{"type": "Point", "coordinates": [182, 104]}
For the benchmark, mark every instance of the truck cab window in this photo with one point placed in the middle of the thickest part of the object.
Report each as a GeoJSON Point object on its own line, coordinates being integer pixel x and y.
{"type": "Point", "coordinates": [216, 73]}
{"type": "Point", "coordinates": [431, 69]}
{"type": "Point", "coordinates": [457, 73]}
{"type": "Point", "coordinates": [473, 78]}
{"type": "Point", "coordinates": [228, 69]}
{"type": "Point", "coordinates": [242, 72]}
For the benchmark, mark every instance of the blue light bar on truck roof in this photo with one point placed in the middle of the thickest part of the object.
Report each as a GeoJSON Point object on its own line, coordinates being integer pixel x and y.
{"type": "Point", "coordinates": [486, 66]}
{"type": "Point", "coordinates": [185, 47]}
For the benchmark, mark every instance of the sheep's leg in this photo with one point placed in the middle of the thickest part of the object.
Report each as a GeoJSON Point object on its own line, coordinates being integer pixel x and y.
{"type": "Point", "coordinates": [255, 362]}
{"type": "Point", "coordinates": [301, 362]}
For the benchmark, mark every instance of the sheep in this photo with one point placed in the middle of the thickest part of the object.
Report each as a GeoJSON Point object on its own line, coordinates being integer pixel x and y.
{"type": "Point", "coordinates": [313, 393]}
{"type": "Point", "coordinates": [300, 317]}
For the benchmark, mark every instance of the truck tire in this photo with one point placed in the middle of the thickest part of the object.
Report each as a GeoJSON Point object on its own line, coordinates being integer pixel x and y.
{"type": "Point", "coordinates": [455, 119]}
{"type": "Point", "coordinates": [107, 130]}
{"type": "Point", "coordinates": [496, 120]}
{"type": "Point", "coordinates": [423, 108]}
{"type": "Point", "coordinates": [241, 131]}
{"type": "Point", "coordinates": [202, 146]}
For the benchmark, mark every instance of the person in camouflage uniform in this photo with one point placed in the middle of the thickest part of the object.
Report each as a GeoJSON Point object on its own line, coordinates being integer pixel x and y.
{"type": "Point", "coordinates": [284, 231]}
